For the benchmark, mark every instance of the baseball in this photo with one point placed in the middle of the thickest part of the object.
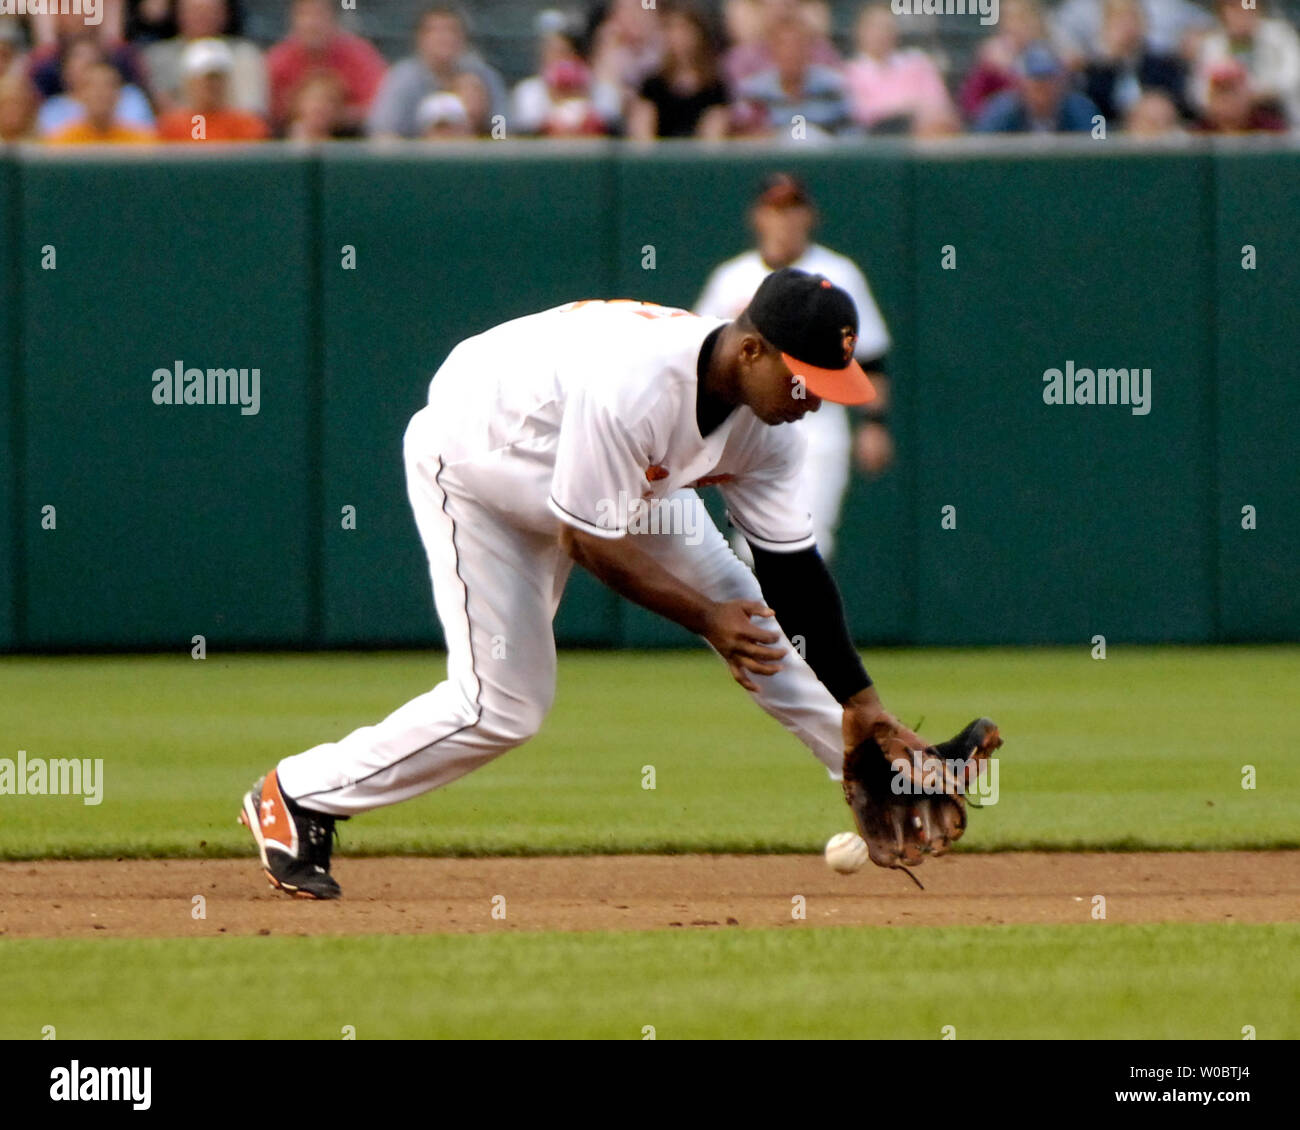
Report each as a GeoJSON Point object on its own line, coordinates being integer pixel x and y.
{"type": "Point", "coordinates": [846, 852]}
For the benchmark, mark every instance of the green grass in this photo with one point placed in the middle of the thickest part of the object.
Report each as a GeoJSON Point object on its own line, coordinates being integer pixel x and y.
{"type": "Point", "coordinates": [1035, 982]}
{"type": "Point", "coordinates": [1142, 750]}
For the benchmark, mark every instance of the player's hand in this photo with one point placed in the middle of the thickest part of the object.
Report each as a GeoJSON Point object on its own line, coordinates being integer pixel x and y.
{"type": "Point", "coordinates": [873, 448]}
{"type": "Point", "coordinates": [865, 716]}
{"type": "Point", "coordinates": [742, 643]}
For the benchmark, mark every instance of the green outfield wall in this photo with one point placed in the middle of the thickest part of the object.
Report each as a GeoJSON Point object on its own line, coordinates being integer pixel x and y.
{"type": "Point", "coordinates": [329, 286]}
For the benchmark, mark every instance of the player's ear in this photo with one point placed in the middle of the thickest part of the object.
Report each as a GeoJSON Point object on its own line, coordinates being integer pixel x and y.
{"type": "Point", "coordinates": [752, 347]}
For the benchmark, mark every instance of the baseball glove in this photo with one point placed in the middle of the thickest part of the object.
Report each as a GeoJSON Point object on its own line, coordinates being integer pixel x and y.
{"type": "Point", "coordinates": [910, 803]}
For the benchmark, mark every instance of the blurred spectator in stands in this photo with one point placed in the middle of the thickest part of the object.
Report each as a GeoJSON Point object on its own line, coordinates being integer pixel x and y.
{"type": "Point", "coordinates": [63, 109]}
{"type": "Point", "coordinates": [1042, 101]}
{"type": "Point", "coordinates": [795, 92]}
{"type": "Point", "coordinates": [1127, 65]}
{"type": "Point", "coordinates": [206, 112]}
{"type": "Point", "coordinates": [79, 58]}
{"type": "Point", "coordinates": [573, 111]}
{"type": "Point", "coordinates": [564, 98]}
{"type": "Point", "coordinates": [1154, 114]}
{"type": "Point", "coordinates": [1231, 105]}
{"type": "Point", "coordinates": [17, 107]}
{"type": "Point", "coordinates": [318, 109]}
{"type": "Point", "coordinates": [888, 87]}
{"type": "Point", "coordinates": [207, 19]}
{"type": "Point", "coordinates": [750, 22]}
{"type": "Point", "coordinates": [1077, 28]}
{"type": "Point", "coordinates": [442, 116]}
{"type": "Point", "coordinates": [626, 46]}
{"type": "Point", "coordinates": [1269, 50]}
{"type": "Point", "coordinates": [1020, 24]}
{"type": "Point", "coordinates": [45, 63]}
{"type": "Point", "coordinates": [932, 122]}
{"type": "Point", "coordinates": [148, 21]}
{"type": "Point", "coordinates": [442, 55]}
{"type": "Point", "coordinates": [46, 30]}
{"type": "Point", "coordinates": [475, 97]}
{"type": "Point", "coordinates": [686, 96]}
{"type": "Point", "coordinates": [316, 43]}
{"type": "Point", "coordinates": [100, 90]}
{"type": "Point", "coordinates": [13, 44]}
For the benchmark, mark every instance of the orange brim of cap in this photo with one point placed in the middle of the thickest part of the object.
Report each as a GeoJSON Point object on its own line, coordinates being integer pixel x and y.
{"type": "Point", "coordinates": [849, 385]}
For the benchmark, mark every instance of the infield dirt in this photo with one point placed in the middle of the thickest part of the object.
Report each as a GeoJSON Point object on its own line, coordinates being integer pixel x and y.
{"type": "Point", "coordinates": [157, 898]}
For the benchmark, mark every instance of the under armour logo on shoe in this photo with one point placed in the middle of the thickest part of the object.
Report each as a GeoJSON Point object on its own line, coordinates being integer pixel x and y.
{"type": "Point", "coordinates": [268, 813]}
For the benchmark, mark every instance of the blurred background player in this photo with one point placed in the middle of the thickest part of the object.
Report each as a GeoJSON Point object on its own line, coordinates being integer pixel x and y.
{"type": "Point", "coordinates": [783, 218]}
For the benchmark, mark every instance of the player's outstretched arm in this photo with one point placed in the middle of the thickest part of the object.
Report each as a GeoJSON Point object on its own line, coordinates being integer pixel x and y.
{"type": "Point", "coordinates": [727, 625]}
{"type": "Point", "coordinates": [807, 602]}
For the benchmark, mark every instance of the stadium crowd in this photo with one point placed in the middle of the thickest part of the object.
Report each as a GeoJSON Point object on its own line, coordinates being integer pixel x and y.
{"type": "Point", "coordinates": [183, 71]}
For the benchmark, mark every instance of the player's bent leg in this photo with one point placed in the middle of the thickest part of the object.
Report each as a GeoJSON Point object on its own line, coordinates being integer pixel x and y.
{"type": "Point", "coordinates": [494, 587]}
{"type": "Point", "coordinates": [699, 555]}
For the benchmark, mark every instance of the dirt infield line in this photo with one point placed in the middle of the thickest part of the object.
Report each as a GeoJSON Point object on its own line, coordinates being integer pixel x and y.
{"type": "Point", "coordinates": [157, 898]}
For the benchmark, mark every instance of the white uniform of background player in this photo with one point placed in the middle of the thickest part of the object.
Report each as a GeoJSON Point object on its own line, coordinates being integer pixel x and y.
{"type": "Point", "coordinates": [828, 432]}
{"type": "Point", "coordinates": [586, 415]}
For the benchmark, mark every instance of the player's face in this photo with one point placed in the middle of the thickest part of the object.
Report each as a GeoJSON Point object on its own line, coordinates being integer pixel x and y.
{"type": "Point", "coordinates": [783, 233]}
{"type": "Point", "coordinates": [770, 390]}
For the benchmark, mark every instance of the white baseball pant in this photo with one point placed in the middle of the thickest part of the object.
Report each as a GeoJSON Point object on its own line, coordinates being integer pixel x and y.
{"type": "Point", "coordinates": [496, 587]}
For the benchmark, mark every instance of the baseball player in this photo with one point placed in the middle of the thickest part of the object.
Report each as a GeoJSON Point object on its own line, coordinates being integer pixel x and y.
{"type": "Point", "coordinates": [580, 434]}
{"type": "Point", "coordinates": [783, 217]}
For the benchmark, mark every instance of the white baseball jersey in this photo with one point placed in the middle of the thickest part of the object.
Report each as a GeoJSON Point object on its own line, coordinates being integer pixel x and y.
{"type": "Point", "coordinates": [585, 414]}
{"type": "Point", "coordinates": [733, 283]}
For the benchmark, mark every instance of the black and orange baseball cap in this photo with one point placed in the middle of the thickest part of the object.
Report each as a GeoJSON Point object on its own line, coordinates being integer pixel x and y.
{"type": "Point", "coordinates": [815, 326]}
{"type": "Point", "coordinates": [783, 190]}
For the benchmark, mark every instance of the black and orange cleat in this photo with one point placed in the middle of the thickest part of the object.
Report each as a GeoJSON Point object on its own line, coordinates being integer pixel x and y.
{"type": "Point", "coordinates": [293, 842]}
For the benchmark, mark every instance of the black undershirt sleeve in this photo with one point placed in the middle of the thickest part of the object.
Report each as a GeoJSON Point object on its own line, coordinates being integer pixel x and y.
{"type": "Point", "coordinates": [801, 591]}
